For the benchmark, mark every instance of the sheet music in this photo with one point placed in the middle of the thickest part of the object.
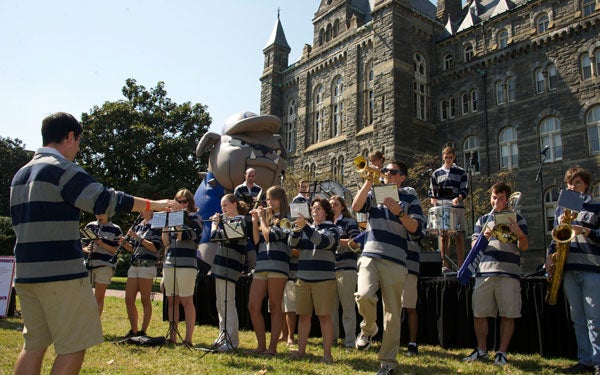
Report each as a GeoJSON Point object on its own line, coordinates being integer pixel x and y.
{"type": "Point", "coordinates": [296, 208]}
{"type": "Point", "coordinates": [380, 192]}
{"type": "Point", "coordinates": [159, 220]}
{"type": "Point", "coordinates": [88, 234]}
{"type": "Point", "coordinates": [176, 218]}
{"type": "Point", "coordinates": [233, 229]}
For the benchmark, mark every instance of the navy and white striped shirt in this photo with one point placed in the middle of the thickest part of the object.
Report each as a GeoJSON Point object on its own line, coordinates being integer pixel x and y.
{"type": "Point", "coordinates": [146, 232]}
{"type": "Point", "coordinates": [499, 259]}
{"type": "Point", "coordinates": [346, 259]}
{"type": "Point", "coordinates": [584, 252]}
{"type": "Point", "coordinates": [385, 236]}
{"type": "Point", "coordinates": [46, 197]}
{"type": "Point", "coordinates": [454, 178]}
{"type": "Point", "coordinates": [108, 233]}
{"type": "Point", "coordinates": [182, 254]}
{"type": "Point", "coordinates": [230, 256]}
{"type": "Point", "coordinates": [243, 189]}
{"type": "Point", "coordinates": [317, 251]}
{"type": "Point", "coordinates": [275, 255]}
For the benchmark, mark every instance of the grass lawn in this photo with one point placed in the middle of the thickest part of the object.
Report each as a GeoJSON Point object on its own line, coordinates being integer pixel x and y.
{"type": "Point", "coordinates": [111, 358]}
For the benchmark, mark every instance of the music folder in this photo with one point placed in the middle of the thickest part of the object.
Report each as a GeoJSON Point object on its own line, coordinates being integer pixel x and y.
{"type": "Point", "coordinates": [571, 200]}
{"type": "Point", "coordinates": [380, 192]}
{"type": "Point", "coordinates": [88, 234]}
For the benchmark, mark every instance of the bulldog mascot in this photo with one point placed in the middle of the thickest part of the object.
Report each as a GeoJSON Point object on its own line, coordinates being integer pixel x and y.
{"type": "Point", "coordinates": [247, 141]}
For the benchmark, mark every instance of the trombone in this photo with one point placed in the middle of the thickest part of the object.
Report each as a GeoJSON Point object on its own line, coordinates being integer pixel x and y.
{"type": "Point", "coordinates": [368, 173]}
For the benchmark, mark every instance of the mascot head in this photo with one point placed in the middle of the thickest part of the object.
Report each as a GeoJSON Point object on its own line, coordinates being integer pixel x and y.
{"type": "Point", "coordinates": [248, 140]}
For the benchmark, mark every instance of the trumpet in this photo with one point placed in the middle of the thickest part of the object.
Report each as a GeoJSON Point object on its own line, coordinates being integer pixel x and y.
{"type": "Point", "coordinates": [368, 173]}
{"type": "Point", "coordinates": [288, 226]}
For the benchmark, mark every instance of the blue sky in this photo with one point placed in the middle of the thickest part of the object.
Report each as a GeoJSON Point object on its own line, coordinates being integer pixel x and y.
{"type": "Point", "coordinates": [71, 55]}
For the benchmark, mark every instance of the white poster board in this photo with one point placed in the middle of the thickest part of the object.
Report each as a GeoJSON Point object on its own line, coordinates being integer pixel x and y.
{"type": "Point", "coordinates": [7, 273]}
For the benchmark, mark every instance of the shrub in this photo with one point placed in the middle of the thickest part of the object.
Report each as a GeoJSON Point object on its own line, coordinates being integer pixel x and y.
{"type": "Point", "coordinates": [7, 236]}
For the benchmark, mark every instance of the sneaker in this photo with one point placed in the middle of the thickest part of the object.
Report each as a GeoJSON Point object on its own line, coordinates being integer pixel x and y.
{"type": "Point", "coordinates": [476, 355]}
{"type": "Point", "coordinates": [413, 350]}
{"type": "Point", "coordinates": [385, 370]}
{"type": "Point", "coordinates": [327, 359]}
{"type": "Point", "coordinates": [500, 359]}
{"type": "Point", "coordinates": [363, 342]}
{"type": "Point", "coordinates": [130, 334]}
{"type": "Point", "coordinates": [578, 368]}
{"type": "Point", "coordinates": [141, 333]}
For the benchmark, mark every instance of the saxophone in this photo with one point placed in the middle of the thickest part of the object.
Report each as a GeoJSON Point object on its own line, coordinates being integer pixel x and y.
{"type": "Point", "coordinates": [562, 234]}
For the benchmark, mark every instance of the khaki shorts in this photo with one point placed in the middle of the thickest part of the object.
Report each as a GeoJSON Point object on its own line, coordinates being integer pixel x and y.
{"type": "Point", "coordinates": [102, 275]}
{"type": "Point", "coordinates": [265, 275]}
{"type": "Point", "coordinates": [135, 272]}
{"type": "Point", "coordinates": [319, 295]}
{"type": "Point", "coordinates": [497, 295]}
{"type": "Point", "coordinates": [288, 303]}
{"type": "Point", "coordinates": [61, 312]}
{"type": "Point", "coordinates": [409, 293]}
{"type": "Point", "coordinates": [183, 280]}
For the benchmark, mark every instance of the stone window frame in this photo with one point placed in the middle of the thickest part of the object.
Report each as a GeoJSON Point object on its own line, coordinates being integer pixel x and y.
{"type": "Point", "coordinates": [585, 66]}
{"type": "Point", "coordinates": [508, 148]}
{"type": "Point", "coordinates": [420, 86]}
{"type": "Point", "coordinates": [443, 110]}
{"type": "Point", "coordinates": [341, 163]}
{"type": "Point", "coordinates": [464, 103]}
{"type": "Point", "coordinates": [448, 61]}
{"type": "Point", "coordinates": [471, 148]}
{"type": "Point", "coordinates": [337, 106]}
{"type": "Point", "coordinates": [592, 124]}
{"type": "Point", "coordinates": [542, 22]}
{"type": "Point", "coordinates": [451, 107]}
{"type": "Point", "coordinates": [291, 122]}
{"type": "Point", "coordinates": [369, 98]}
{"type": "Point", "coordinates": [543, 79]}
{"type": "Point", "coordinates": [318, 113]}
{"type": "Point", "coordinates": [500, 91]}
{"type": "Point", "coordinates": [551, 137]}
{"type": "Point", "coordinates": [588, 7]}
{"type": "Point", "coordinates": [474, 100]}
{"type": "Point", "coordinates": [550, 204]}
{"type": "Point", "coordinates": [502, 38]}
{"type": "Point", "coordinates": [468, 52]}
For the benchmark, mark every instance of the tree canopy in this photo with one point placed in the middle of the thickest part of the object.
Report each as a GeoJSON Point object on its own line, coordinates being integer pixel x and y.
{"type": "Point", "coordinates": [144, 145]}
{"type": "Point", "coordinates": [14, 156]}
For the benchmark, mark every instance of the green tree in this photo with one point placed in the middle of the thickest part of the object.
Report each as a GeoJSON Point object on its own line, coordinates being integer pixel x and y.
{"type": "Point", "coordinates": [144, 145]}
{"type": "Point", "coordinates": [14, 156]}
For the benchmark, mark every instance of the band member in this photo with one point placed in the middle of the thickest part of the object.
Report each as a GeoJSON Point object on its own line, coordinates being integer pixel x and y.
{"type": "Point", "coordinates": [303, 193]}
{"type": "Point", "coordinates": [272, 267]}
{"type": "Point", "coordinates": [382, 264]}
{"type": "Point", "coordinates": [315, 286]}
{"type": "Point", "coordinates": [228, 266]}
{"type": "Point", "coordinates": [449, 188]}
{"type": "Point", "coordinates": [144, 243]}
{"type": "Point", "coordinates": [345, 272]}
{"type": "Point", "coordinates": [100, 251]}
{"type": "Point", "coordinates": [46, 199]}
{"type": "Point", "coordinates": [497, 289]}
{"type": "Point", "coordinates": [582, 273]}
{"type": "Point", "coordinates": [179, 271]}
{"type": "Point", "coordinates": [248, 190]}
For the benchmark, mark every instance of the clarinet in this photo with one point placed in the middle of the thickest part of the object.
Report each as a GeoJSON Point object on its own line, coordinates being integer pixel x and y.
{"type": "Point", "coordinates": [121, 248]}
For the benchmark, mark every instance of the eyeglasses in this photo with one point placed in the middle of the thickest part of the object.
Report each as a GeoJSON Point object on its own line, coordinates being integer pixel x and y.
{"type": "Point", "coordinates": [393, 172]}
{"type": "Point", "coordinates": [183, 201]}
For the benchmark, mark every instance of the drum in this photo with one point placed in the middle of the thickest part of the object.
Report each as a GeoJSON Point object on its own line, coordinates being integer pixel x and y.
{"type": "Point", "coordinates": [442, 220]}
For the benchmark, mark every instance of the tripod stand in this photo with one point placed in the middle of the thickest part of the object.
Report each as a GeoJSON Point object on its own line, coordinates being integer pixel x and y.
{"type": "Point", "coordinates": [230, 233]}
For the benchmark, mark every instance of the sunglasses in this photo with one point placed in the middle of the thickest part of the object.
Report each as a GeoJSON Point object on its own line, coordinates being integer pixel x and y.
{"type": "Point", "coordinates": [393, 172]}
{"type": "Point", "coordinates": [183, 201]}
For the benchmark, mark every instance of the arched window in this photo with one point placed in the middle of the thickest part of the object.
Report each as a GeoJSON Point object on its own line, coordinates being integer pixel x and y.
{"type": "Point", "coordinates": [592, 121]}
{"type": "Point", "coordinates": [474, 99]}
{"type": "Point", "coordinates": [420, 93]}
{"type": "Point", "coordinates": [328, 32]}
{"type": "Point", "coordinates": [598, 63]}
{"type": "Point", "coordinates": [336, 28]}
{"type": "Point", "coordinates": [321, 37]}
{"type": "Point", "coordinates": [542, 23]}
{"type": "Point", "coordinates": [503, 39]}
{"type": "Point", "coordinates": [509, 152]}
{"type": "Point", "coordinates": [464, 103]}
{"type": "Point", "coordinates": [540, 84]}
{"type": "Point", "coordinates": [451, 107]}
{"type": "Point", "coordinates": [447, 61]}
{"type": "Point", "coordinates": [586, 66]}
{"type": "Point", "coordinates": [334, 168]}
{"type": "Point", "coordinates": [550, 136]}
{"type": "Point", "coordinates": [471, 153]}
{"type": "Point", "coordinates": [340, 176]}
{"type": "Point", "coordinates": [500, 97]}
{"type": "Point", "coordinates": [369, 104]}
{"type": "Point", "coordinates": [312, 172]}
{"type": "Point", "coordinates": [468, 52]}
{"type": "Point", "coordinates": [318, 114]}
{"type": "Point", "coordinates": [552, 77]}
{"type": "Point", "coordinates": [291, 130]}
{"type": "Point", "coordinates": [337, 106]}
{"type": "Point", "coordinates": [511, 88]}
{"type": "Point", "coordinates": [550, 204]}
{"type": "Point", "coordinates": [443, 110]}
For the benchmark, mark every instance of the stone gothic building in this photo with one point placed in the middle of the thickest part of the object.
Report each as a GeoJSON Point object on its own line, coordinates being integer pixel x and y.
{"type": "Point", "coordinates": [497, 79]}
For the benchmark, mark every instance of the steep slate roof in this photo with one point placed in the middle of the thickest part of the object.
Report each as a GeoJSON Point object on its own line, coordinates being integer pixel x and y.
{"type": "Point", "coordinates": [477, 11]}
{"type": "Point", "coordinates": [277, 36]}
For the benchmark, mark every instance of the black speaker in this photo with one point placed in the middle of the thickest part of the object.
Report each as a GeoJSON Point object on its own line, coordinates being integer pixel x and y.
{"type": "Point", "coordinates": [430, 264]}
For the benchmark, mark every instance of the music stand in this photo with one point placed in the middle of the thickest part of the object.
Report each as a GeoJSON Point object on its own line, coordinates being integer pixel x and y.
{"type": "Point", "coordinates": [230, 230]}
{"type": "Point", "coordinates": [168, 221]}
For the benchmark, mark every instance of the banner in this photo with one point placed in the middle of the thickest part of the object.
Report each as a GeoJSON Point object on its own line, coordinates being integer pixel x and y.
{"type": "Point", "coordinates": [7, 274]}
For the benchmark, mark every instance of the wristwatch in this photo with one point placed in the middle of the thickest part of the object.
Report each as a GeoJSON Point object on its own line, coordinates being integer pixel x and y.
{"type": "Point", "coordinates": [401, 215]}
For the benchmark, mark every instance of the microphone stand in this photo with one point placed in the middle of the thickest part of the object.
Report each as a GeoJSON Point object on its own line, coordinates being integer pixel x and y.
{"type": "Point", "coordinates": [539, 177]}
